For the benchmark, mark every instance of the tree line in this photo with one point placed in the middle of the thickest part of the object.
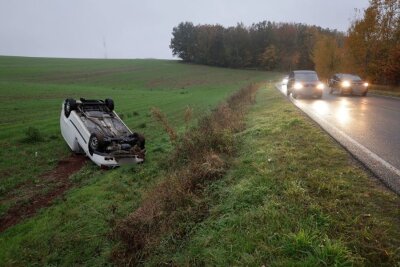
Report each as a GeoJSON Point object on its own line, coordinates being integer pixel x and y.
{"type": "Point", "coordinates": [266, 45]}
{"type": "Point", "coordinates": [370, 48]}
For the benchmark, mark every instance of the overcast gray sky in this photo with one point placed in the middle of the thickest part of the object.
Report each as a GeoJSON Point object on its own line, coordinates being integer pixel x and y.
{"type": "Point", "coordinates": [142, 29]}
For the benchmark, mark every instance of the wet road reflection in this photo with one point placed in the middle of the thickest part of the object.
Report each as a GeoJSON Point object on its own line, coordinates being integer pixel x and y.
{"type": "Point", "coordinates": [372, 121]}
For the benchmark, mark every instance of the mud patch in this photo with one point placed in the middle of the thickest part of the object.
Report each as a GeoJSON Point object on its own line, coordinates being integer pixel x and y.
{"type": "Point", "coordinates": [30, 197]}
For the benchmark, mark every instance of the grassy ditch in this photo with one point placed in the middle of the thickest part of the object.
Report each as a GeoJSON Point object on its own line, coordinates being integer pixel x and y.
{"type": "Point", "coordinates": [293, 197]}
{"type": "Point", "coordinates": [385, 90]}
{"type": "Point", "coordinates": [175, 205]}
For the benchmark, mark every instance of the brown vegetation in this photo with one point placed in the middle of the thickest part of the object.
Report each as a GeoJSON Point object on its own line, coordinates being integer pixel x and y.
{"type": "Point", "coordinates": [370, 49]}
{"type": "Point", "coordinates": [162, 119]}
{"type": "Point", "coordinates": [201, 154]}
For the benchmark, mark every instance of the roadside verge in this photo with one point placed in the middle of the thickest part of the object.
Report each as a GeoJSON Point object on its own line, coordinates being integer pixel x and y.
{"type": "Point", "coordinates": [386, 172]}
{"type": "Point", "coordinates": [292, 198]}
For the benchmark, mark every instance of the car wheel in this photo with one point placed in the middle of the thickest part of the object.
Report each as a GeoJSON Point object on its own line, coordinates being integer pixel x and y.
{"type": "Point", "coordinates": [141, 141]}
{"type": "Point", "coordinates": [287, 92]}
{"type": "Point", "coordinates": [365, 93]}
{"type": "Point", "coordinates": [95, 143]}
{"type": "Point", "coordinates": [69, 106]}
{"type": "Point", "coordinates": [110, 104]}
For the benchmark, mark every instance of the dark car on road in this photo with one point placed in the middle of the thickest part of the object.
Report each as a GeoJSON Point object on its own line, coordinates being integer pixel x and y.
{"type": "Point", "coordinates": [304, 83]}
{"type": "Point", "coordinates": [347, 84]}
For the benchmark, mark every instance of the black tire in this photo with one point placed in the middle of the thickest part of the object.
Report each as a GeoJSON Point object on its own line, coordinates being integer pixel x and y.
{"type": "Point", "coordinates": [96, 143]}
{"type": "Point", "coordinates": [319, 96]}
{"type": "Point", "coordinates": [364, 94]}
{"type": "Point", "coordinates": [141, 142]}
{"type": "Point", "coordinates": [330, 90]}
{"type": "Point", "coordinates": [109, 103]}
{"type": "Point", "coordinates": [138, 140]}
{"type": "Point", "coordinates": [69, 105]}
{"type": "Point", "coordinates": [287, 92]}
{"type": "Point", "coordinates": [295, 95]}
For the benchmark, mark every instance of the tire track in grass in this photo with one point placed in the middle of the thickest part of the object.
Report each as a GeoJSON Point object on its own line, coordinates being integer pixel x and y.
{"type": "Point", "coordinates": [55, 183]}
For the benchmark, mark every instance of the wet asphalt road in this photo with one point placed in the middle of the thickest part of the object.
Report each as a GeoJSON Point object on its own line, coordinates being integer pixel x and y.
{"type": "Point", "coordinates": [369, 125]}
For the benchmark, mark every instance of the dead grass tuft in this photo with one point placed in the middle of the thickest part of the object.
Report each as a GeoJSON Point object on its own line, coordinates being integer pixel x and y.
{"type": "Point", "coordinates": [188, 116]}
{"type": "Point", "coordinates": [162, 119]}
{"type": "Point", "coordinates": [201, 154]}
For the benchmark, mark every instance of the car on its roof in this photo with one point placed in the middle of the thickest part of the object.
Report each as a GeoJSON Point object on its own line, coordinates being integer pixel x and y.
{"type": "Point", "coordinates": [347, 84]}
{"type": "Point", "coordinates": [94, 128]}
{"type": "Point", "coordinates": [304, 83]}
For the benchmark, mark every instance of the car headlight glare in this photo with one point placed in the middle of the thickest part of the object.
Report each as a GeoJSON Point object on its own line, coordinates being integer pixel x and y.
{"type": "Point", "coordinates": [320, 86]}
{"type": "Point", "coordinates": [346, 84]}
{"type": "Point", "coordinates": [298, 86]}
{"type": "Point", "coordinates": [366, 84]}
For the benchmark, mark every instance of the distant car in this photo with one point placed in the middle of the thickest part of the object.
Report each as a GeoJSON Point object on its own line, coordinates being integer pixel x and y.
{"type": "Point", "coordinates": [92, 127]}
{"type": "Point", "coordinates": [348, 84]}
{"type": "Point", "coordinates": [304, 83]}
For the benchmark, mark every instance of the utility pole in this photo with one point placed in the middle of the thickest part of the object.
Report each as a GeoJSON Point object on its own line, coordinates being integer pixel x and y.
{"type": "Point", "coordinates": [105, 47]}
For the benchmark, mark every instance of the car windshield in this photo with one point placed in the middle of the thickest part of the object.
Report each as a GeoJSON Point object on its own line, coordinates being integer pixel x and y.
{"type": "Point", "coordinates": [350, 77]}
{"type": "Point", "coordinates": [309, 77]}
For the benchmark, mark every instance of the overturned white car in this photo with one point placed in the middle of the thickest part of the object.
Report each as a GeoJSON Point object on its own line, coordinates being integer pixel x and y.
{"type": "Point", "coordinates": [92, 127]}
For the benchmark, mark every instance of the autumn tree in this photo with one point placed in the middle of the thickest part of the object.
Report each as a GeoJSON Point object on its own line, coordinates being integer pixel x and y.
{"type": "Point", "coordinates": [328, 55]}
{"type": "Point", "coordinates": [267, 45]}
{"type": "Point", "coordinates": [269, 58]}
{"type": "Point", "coordinates": [374, 41]}
{"type": "Point", "coordinates": [183, 41]}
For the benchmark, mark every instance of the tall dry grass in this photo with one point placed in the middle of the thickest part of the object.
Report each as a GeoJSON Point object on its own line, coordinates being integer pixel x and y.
{"type": "Point", "coordinates": [201, 154]}
{"type": "Point", "coordinates": [162, 119]}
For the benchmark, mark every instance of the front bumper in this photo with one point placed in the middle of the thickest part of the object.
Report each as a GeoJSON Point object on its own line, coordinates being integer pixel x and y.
{"type": "Point", "coordinates": [308, 91]}
{"type": "Point", "coordinates": [109, 160]}
{"type": "Point", "coordinates": [355, 89]}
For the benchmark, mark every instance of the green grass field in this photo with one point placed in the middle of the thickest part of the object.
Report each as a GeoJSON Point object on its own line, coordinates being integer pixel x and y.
{"type": "Point", "coordinates": [74, 230]}
{"type": "Point", "coordinates": [292, 196]}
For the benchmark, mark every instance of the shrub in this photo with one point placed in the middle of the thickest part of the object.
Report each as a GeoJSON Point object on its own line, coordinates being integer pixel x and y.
{"type": "Point", "coordinates": [142, 125]}
{"type": "Point", "coordinates": [33, 135]}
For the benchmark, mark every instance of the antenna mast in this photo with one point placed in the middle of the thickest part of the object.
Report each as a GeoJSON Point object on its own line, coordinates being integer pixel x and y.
{"type": "Point", "coordinates": [105, 47]}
